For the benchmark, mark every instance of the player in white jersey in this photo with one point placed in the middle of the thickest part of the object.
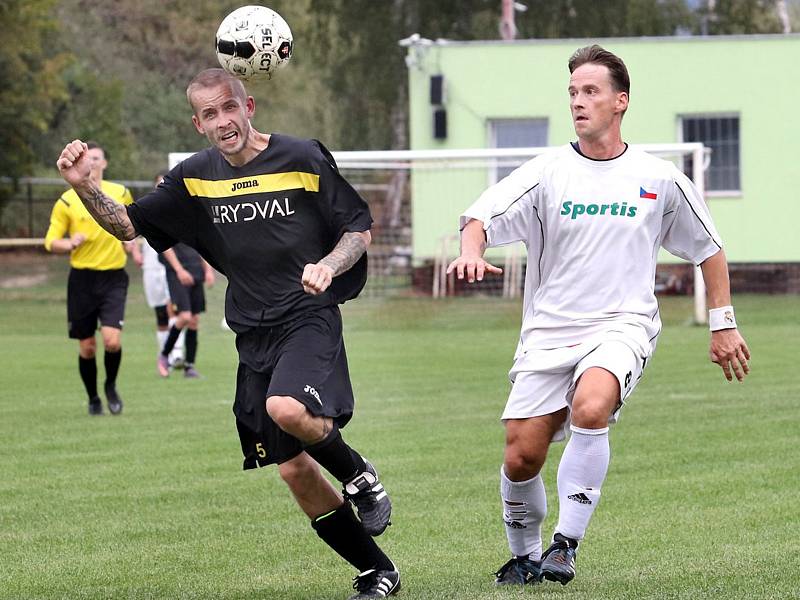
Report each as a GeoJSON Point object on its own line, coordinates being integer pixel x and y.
{"type": "Point", "coordinates": [593, 215]}
{"type": "Point", "coordinates": [156, 292]}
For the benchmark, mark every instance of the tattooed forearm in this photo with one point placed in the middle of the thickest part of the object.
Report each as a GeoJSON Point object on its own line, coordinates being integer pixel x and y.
{"type": "Point", "coordinates": [346, 253]}
{"type": "Point", "coordinates": [110, 215]}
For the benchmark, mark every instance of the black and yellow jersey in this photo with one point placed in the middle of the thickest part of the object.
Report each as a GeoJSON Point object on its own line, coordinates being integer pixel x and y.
{"type": "Point", "coordinates": [101, 251]}
{"type": "Point", "coordinates": [260, 224]}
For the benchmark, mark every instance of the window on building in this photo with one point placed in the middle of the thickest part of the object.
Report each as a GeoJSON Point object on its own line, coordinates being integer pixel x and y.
{"type": "Point", "coordinates": [515, 133]}
{"type": "Point", "coordinates": [720, 133]}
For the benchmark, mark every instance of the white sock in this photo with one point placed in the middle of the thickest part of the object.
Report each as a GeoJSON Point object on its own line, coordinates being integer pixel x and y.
{"type": "Point", "coordinates": [179, 342]}
{"type": "Point", "coordinates": [581, 473]}
{"type": "Point", "coordinates": [161, 337]}
{"type": "Point", "coordinates": [524, 509]}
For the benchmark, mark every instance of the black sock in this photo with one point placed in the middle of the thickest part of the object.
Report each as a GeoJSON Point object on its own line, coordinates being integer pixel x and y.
{"type": "Point", "coordinates": [174, 332]}
{"type": "Point", "coordinates": [190, 343]}
{"type": "Point", "coordinates": [111, 360]}
{"type": "Point", "coordinates": [345, 535]}
{"type": "Point", "coordinates": [336, 457]}
{"type": "Point", "coordinates": [87, 367]}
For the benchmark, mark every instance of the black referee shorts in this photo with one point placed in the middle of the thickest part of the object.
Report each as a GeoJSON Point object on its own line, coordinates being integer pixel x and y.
{"type": "Point", "coordinates": [94, 296]}
{"type": "Point", "coordinates": [186, 298]}
{"type": "Point", "coordinates": [304, 359]}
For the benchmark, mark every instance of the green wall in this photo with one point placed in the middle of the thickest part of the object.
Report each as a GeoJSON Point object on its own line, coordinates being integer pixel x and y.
{"type": "Point", "coordinates": [756, 77]}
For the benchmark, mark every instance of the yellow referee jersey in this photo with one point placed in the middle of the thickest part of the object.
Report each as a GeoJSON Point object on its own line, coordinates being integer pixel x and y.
{"type": "Point", "coordinates": [101, 251]}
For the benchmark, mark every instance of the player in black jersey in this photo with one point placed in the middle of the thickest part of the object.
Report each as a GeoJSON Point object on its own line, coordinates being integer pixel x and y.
{"type": "Point", "coordinates": [274, 215]}
{"type": "Point", "coordinates": [187, 273]}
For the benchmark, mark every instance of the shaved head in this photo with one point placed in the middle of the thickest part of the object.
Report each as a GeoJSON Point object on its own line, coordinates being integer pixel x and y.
{"type": "Point", "coordinates": [211, 78]}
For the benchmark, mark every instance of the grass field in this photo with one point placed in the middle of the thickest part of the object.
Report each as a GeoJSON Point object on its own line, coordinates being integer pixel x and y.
{"type": "Point", "coordinates": [701, 499]}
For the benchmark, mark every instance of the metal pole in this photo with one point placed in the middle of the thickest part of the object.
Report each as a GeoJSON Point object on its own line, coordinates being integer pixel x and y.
{"type": "Point", "coordinates": [700, 315]}
{"type": "Point", "coordinates": [30, 209]}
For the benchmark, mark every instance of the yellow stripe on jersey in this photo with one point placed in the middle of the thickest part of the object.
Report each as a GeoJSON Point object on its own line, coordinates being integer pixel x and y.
{"type": "Point", "coordinates": [274, 182]}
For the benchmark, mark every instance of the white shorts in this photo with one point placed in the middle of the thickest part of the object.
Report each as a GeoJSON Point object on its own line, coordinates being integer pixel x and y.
{"type": "Point", "coordinates": [544, 381]}
{"type": "Point", "coordinates": [155, 287]}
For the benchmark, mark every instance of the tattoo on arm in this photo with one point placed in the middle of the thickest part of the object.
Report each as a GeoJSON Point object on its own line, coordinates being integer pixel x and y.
{"type": "Point", "coordinates": [346, 253]}
{"type": "Point", "coordinates": [110, 215]}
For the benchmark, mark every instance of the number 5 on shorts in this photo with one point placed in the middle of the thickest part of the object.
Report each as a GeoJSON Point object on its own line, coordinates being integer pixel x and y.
{"type": "Point", "coordinates": [260, 450]}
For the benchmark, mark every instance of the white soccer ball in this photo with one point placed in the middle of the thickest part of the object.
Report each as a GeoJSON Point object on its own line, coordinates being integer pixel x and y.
{"type": "Point", "coordinates": [253, 42]}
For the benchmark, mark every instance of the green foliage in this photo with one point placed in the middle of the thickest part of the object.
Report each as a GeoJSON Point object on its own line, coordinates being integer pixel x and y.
{"type": "Point", "coordinates": [741, 17]}
{"type": "Point", "coordinates": [31, 86]}
{"type": "Point", "coordinates": [611, 18]}
{"type": "Point", "coordinates": [362, 64]}
{"type": "Point", "coordinates": [92, 110]}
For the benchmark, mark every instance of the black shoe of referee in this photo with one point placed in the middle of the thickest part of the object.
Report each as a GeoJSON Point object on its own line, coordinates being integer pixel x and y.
{"type": "Point", "coordinates": [95, 406]}
{"type": "Point", "coordinates": [372, 502]}
{"type": "Point", "coordinates": [114, 401]}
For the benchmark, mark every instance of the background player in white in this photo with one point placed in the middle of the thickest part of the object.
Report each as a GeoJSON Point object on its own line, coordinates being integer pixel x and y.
{"type": "Point", "coordinates": [156, 292]}
{"type": "Point", "coordinates": [154, 280]}
{"type": "Point", "coordinates": [593, 215]}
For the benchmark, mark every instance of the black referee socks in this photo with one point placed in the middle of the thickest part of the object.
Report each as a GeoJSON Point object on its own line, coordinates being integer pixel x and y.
{"type": "Point", "coordinates": [111, 361]}
{"type": "Point", "coordinates": [87, 367]}
{"type": "Point", "coordinates": [346, 536]}
{"type": "Point", "coordinates": [336, 457]}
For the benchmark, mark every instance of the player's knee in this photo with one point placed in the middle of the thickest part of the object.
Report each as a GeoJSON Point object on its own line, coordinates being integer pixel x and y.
{"type": "Point", "coordinates": [590, 415]}
{"type": "Point", "coordinates": [520, 465]}
{"type": "Point", "coordinates": [288, 413]}
{"type": "Point", "coordinates": [112, 345]}
{"type": "Point", "coordinates": [87, 348]}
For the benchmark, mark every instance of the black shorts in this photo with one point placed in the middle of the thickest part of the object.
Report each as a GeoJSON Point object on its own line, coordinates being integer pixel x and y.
{"type": "Point", "coordinates": [186, 298]}
{"type": "Point", "coordinates": [94, 296]}
{"type": "Point", "coordinates": [304, 359]}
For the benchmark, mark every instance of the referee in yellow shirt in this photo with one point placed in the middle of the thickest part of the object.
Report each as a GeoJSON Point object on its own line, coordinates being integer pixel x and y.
{"type": "Point", "coordinates": [98, 284]}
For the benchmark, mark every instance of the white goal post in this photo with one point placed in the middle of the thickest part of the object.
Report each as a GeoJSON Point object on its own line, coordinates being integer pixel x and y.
{"type": "Point", "coordinates": [400, 165]}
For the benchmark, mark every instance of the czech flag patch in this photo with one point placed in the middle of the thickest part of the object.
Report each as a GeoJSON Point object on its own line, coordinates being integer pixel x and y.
{"type": "Point", "coordinates": [643, 193]}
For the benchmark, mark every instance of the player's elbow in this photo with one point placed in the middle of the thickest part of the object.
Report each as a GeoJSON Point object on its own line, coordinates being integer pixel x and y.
{"type": "Point", "coordinates": [719, 255]}
{"type": "Point", "coordinates": [126, 233]}
{"type": "Point", "coordinates": [367, 237]}
{"type": "Point", "coordinates": [715, 261]}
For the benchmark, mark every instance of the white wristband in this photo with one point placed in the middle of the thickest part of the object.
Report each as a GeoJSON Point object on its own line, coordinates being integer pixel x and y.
{"type": "Point", "coordinates": [721, 318]}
